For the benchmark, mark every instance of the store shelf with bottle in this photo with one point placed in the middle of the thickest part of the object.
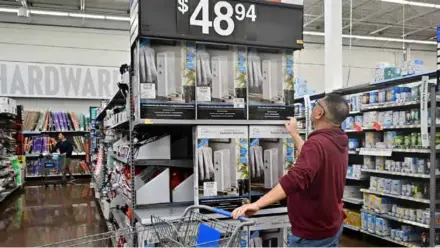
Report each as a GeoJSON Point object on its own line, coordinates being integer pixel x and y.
{"type": "Point", "coordinates": [385, 139]}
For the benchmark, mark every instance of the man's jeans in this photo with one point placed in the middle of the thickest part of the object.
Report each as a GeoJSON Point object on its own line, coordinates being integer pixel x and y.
{"type": "Point", "coordinates": [296, 241]}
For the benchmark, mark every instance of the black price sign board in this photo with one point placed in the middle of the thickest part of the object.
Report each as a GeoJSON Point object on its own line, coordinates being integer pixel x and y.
{"type": "Point", "coordinates": [245, 22]}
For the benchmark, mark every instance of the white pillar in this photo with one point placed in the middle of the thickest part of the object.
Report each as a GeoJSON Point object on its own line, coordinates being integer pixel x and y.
{"type": "Point", "coordinates": [333, 45]}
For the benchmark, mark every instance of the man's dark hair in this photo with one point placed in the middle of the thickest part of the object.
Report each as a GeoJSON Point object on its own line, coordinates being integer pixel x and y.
{"type": "Point", "coordinates": [337, 108]}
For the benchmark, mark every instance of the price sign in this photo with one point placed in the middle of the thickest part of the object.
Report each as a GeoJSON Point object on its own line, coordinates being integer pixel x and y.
{"type": "Point", "coordinates": [243, 22]}
{"type": "Point", "coordinates": [223, 12]}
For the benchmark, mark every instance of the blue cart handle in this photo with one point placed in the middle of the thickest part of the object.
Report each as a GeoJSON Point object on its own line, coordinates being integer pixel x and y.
{"type": "Point", "coordinates": [218, 211]}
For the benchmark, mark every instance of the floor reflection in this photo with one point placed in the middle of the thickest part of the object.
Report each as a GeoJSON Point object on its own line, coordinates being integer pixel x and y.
{"type": "Point", "coordinates": [39, 216]}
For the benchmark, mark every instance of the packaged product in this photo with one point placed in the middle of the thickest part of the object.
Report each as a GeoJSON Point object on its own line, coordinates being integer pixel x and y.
{"type": "Point", "coordinates": [371, 223]}
{"type": "Point", "coordinates": [382, 227]}
{"type": "Point", "coordinates": [373, 183]}
{"type": "Point", "coordinates": [396, 187]}
{"type": "Point", "coordinates": [364, 221]}
{"type": "Point", "coordinates": [382, 205]}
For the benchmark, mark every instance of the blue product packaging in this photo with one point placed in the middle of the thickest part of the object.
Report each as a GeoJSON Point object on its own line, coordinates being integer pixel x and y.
{"type": "Point", "coordinates": [353, 143]}
{"type": "Point", "coordinates": [349, 171]}
{"type": "Point", "coordinates": [382, 96]}
{"type": "Point", "coordinates": [364, 221]}
{"type": "Point", "coordinates": [397, 94]}
{"type": "Point", "coordinates": [359, 120]}
{"type": "Point", "coordinates": [349, 122]}
{"type": "Point", "coordinates": [371, 223]}
{"type": "Point", "coordinates": [374, 95]}
{"type": "Point", "coordinates": [343, 126]}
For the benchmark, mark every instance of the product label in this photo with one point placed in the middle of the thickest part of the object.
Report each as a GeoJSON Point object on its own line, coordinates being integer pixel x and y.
{"type": "Point", "coordinates": [148, 91]}
{"type": "Point", "coordinates": [220, 111]}
{"type": "Point", "coordinates": [203, 94]}
{"type": "Point", "coordinates": [160, 110]}
{"type": "Point", "coordinates": [209, 189]}
{"type": "Point", "coordinates": [268, 112]}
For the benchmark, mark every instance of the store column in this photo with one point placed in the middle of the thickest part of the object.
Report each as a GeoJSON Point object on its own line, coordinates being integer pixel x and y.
{"type": "Point", "coordinates": [333, 45]}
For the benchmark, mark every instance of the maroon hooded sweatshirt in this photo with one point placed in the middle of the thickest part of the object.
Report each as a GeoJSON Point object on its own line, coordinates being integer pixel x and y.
{"type": "Point", "coordinates": [315, 185]}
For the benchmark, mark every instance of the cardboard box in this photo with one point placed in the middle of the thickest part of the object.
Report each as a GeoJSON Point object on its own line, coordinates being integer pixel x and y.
{"type": "Point", "coordinates": [221, 166]}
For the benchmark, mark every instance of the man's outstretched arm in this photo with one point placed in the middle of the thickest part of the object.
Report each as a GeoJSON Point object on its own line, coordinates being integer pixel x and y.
{"type": "Point", "coordinates": [275, 195]}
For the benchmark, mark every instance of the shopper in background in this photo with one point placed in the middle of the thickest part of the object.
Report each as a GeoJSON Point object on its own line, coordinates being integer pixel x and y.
{"type": "Point", "coordinates": [315, 184]}
{"type": "Point", "coordinates": [65, 147]}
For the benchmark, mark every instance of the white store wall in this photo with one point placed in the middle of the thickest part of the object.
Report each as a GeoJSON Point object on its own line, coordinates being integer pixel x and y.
{"type": "Point", "coordinates": [62, 46]}
{"type": "Point", "coordinates": [108, 48]}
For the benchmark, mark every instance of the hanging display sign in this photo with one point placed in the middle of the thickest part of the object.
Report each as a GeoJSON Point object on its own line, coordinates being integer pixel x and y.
{"type": "Point", "coordinates": [57, 81]}
{"type": "Point", "coordinates": [249, 22]}
{"type": "Point", "coordinates": [424, 98]}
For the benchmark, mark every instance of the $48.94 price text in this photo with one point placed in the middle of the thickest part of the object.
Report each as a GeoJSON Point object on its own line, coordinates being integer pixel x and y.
{"type": "Point", "coordinates": [223, 12]}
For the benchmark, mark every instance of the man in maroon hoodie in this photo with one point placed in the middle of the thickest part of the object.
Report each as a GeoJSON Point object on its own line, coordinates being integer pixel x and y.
{"type": "Point", "coordinates": [315, 184]}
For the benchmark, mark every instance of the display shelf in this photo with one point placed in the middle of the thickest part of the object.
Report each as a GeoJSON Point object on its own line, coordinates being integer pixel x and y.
{"type": "Point", "coordinates": [387, 152]}
{"type": "Point", "coordinates": [4, 195]}
{"type": "Point", "coordinates": [394, 127]}
{"type": "Point", "coordinates": [366, 87]}
{"type": "Point", "coordinates": [356, 201]}
{"type": "Point", "coordinates": [178, 163]}
{"type": "Point", "coordinates": [397, 173]}
{"type": "Point", "coordinates": [117, 99]}
{"type": "Point", "coordinates": [119, 217]}
{"type": "Point", "coordinates": [408, 198]}
{"type": "Point", "coordinates": [58, 175]}
{"type": "Point", "coordinates": [390, 217]}
{"type": "Point", "coordinates": [170, 122]}
{"type": "Point", "coordinates": [356, 178]}
{"type": "Point", "coordinates": [405, 244]}
{"type": "Point", "coordinates": [38, 155]}
{"type": "Point", "coordinates": [53, 132]}
{"type": "Point", "coordinates": [353, 152]}
{"type": "Point", "coordinates": [122, 124]}
{"type": "Point", "coordinates": [351, 227]}
{"type": "Point", "coordinates": [119, 159]}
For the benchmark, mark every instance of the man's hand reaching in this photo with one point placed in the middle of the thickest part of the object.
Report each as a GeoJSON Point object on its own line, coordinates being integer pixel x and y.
{"type": "Point", "coordinates": [247, 210]}
{"type": "Point", "coordinates": [291, 126]}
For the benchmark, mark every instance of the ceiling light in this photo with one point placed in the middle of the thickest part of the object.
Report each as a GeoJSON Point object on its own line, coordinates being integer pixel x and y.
{"type": "Point", "coordinates": [375, 38]}
{"type": "Point", "coordinates": [428, 5]}
{"type": "Point", "coordinates": [413, 3]}
{"type": "Point", "coordinates": [8, 10]}
{"type": "Point", "coordinates": [117, 18]}
{"type": "Point", "coordinates": [94, 16]}
{"type": "Point", "coordinates": [396, 1]}
{"type": "Point", "coordinates": [50, 13]}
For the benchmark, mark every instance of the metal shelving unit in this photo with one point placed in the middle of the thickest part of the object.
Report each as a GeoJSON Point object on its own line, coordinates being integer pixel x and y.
{"type": "Point", "coordinates": [427, 152]}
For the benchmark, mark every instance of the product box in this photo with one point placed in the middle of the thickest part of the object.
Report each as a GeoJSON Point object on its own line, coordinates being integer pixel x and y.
{"type": "Point", "coordinates": [221, 166]}
{"type": "Point", "coordinates": [8, 105]}
{"type": "Point", "coordinates": [166, 73]}
{"type": "Point", "coordinates": [271, 154]}
{"type": "Point", "coordinates": [271, 85]}
{"type": "Point", "coordinates": [221, 80]}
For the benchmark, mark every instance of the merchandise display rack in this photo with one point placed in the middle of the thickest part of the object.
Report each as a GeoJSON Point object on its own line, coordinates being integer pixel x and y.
{"type": "Point", "coordinates": [82, 155]}
{"type": "Point", "coordinates": [11, 148]}
{"type": "Point", "coordinates": [358, 155]}
{"type": "Point", "coordinates": [109, 166]}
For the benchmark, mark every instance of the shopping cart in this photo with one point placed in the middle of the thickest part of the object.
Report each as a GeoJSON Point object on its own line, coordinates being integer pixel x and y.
{"type": "Point", "coordinates": [53, 164]}
{"type": "Point", "coordinates": [195, 229]}
{"type": "Point", "coordinates": [192, 229]}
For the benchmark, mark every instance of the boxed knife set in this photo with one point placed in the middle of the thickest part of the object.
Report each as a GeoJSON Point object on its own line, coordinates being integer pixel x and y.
{"type": "Point", "coordinates": [166, 72]}
{"type": "Point", "coordinates": [271, 81]}
{"type": "Point", "coordinates": [271, 154]}
{"type": "Point", "coordinates": [221, 164]}
{"type": "Point", "coordinates": [221, 81]}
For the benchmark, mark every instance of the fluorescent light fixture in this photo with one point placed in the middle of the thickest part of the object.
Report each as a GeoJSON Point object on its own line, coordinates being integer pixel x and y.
{"type": "Point", "coordinates": [413, 3]}
{"type": "Point", "coordinates": [396, 1]}
{"type": "Point", "coordinates": [117, 18]}
{"type": "Point", "coordinates": [89, 16]}
{"type": "Point", "coordinates": [49, 13]}
{"type": "Point", "coordinates": [375, 38]}
{"type": "Point", "coordinates": [8, 10]}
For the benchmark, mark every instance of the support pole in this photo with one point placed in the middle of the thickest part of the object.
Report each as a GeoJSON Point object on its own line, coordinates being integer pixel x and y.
{"type": "Point", "coordinates": [333, 45]}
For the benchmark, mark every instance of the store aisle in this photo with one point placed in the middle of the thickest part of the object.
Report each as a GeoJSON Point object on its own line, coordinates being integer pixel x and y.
{"type": "Point", "coordinates": [38, 215]}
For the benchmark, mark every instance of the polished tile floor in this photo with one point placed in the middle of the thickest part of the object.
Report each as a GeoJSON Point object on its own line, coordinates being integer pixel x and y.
{"type": "Point", "coordinates": [38, 215]}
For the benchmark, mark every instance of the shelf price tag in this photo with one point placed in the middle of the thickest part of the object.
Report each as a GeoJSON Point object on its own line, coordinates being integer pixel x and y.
{"type": "Point", "coordinates": [225, 15]}
{"type": "Point", "coordinates": [357, 127]}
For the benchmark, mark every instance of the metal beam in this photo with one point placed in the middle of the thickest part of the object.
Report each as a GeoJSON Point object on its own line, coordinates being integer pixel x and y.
{"type": "Point", "coordinates": [312, 6]}
{"type": "Point", "coordinates": [402, 21]}
{"type": "Point", "coordinates": [82, 5]}
{"type": "Point", "coordinates": [320, 16]}
{"type": "Point", "coordinates": [416, 31]}
{"type": "Point", "coordinates": [368, 17]}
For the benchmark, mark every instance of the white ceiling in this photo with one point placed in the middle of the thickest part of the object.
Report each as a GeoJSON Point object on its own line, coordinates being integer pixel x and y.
{"type": "Point", "coordinates": [370, 17]}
